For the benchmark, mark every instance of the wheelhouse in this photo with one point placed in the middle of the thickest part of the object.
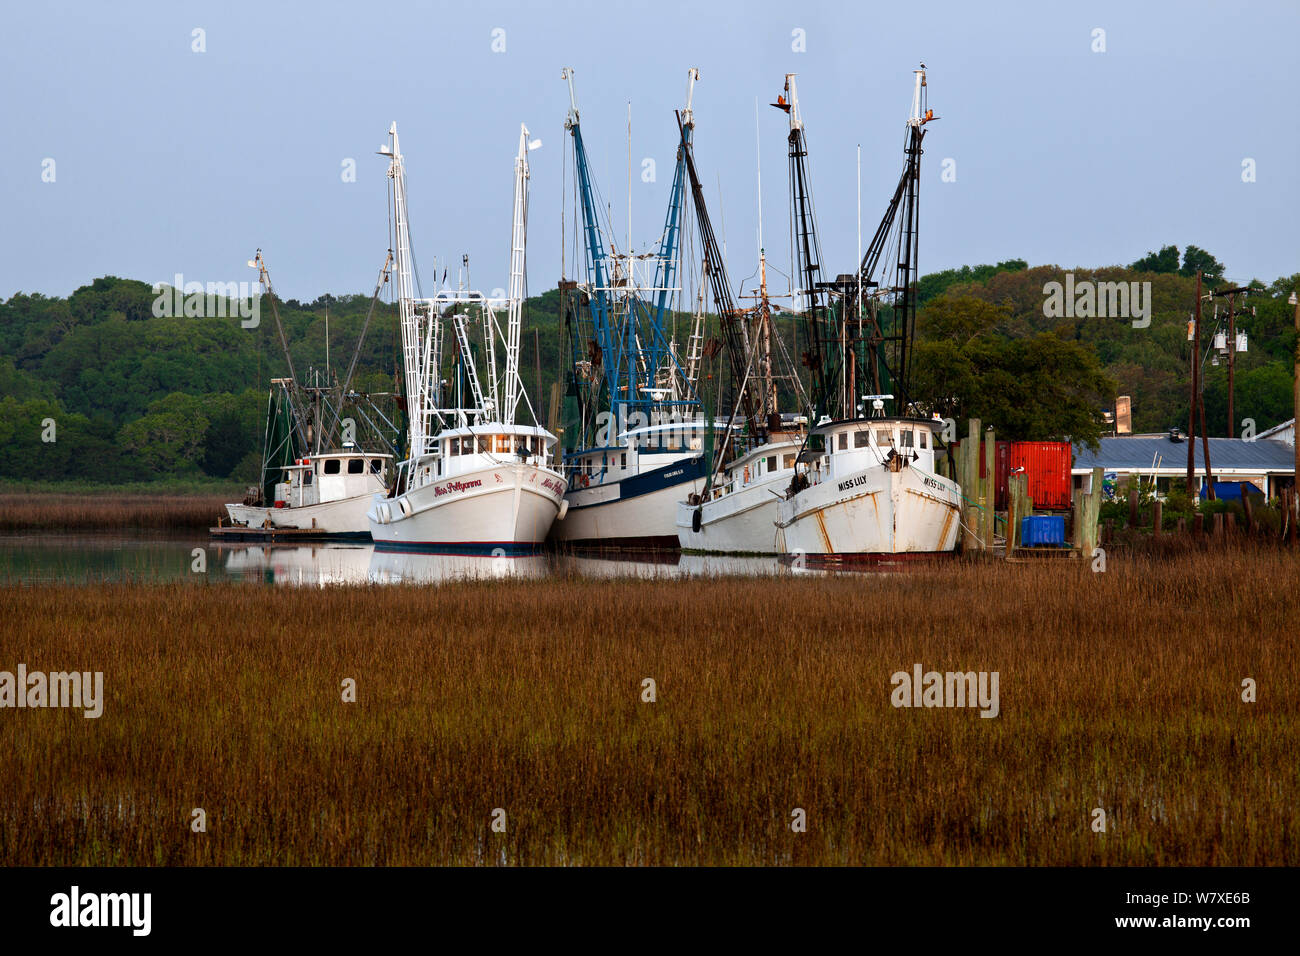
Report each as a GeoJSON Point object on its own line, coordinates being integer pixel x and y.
{"type": "Point", "coordinates": [639, 450]}
{"type": "Point", "coordinates": [332, 476]}
{"type": "Point", "coordinates": [851, 445]}
{"type": "Point", "coordinates": [458, 451]}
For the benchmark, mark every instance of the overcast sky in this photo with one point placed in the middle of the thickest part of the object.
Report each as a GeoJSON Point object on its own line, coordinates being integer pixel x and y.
{"type": "Point", "coordinates": [168, 160]}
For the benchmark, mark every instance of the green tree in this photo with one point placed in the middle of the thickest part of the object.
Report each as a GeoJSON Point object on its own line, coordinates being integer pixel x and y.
{"type": "Point", "coordinates": [1166, 260]}
{"type": "Point", "coordinates": [168, 439]}
{"type": "Point", "coordinates": [234, 431]}
{"type": "Point", "coordinates": [1197, 259]}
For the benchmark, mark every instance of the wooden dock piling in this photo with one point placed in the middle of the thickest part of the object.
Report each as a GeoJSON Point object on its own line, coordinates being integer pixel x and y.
{"type": "Point", "coordinates": [1018, 506]}
{"type": "Point", "coordinates": [970, 491]}
{"type": "Point", "coordinates": [1087, 511]}
{"type": "Point", "coordinates": [989, 487]}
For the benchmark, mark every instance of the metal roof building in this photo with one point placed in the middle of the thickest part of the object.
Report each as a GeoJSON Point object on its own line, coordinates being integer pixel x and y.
{"type": "Point", "coordinates": [1268, 464]}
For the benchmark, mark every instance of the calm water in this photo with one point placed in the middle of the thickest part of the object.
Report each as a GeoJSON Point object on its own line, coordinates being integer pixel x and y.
{"type": "Point", "coordinates": [80, 558]}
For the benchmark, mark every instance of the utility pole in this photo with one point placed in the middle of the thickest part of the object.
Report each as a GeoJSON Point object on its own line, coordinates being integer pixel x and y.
{"type": "Point", "coordinates": [1294, 300]}
{"type": "Point", "coordinates": [1232, 353]}
{"type": "Point", "coordinates": [1198, 409]}
{"type": "Point", "coordinates": [1191, 414]}
{"type": "Point", "coordinates": [1232, 347]}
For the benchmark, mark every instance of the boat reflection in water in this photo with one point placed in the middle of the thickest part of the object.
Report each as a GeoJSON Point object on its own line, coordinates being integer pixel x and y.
{"type": "Point", "coordinates": [333, 564]}
{"type": "Point", "coordinates": [404, 567]}
{"type": "Point", "coordinates": [665, 564]}
{"type": "Point", "coordinates": [311, 565]}
{"type": "Point", "coordinates": [319, 565]}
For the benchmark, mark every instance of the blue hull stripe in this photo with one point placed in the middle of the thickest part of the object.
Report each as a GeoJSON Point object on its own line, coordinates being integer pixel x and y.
{"type": "Point", "coordinates": [678, 473]}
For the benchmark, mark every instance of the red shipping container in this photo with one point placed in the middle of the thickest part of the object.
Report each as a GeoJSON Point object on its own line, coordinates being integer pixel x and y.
{"type": "Point", "coordinates": [1048, 464]}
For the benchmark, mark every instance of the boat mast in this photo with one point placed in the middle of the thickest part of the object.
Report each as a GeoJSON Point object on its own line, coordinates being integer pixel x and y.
{"type": "Point", "coordinates": [294, 389]}
{"type": "Point", "coordinates": [595, 351]}
{"type": "Point", "coordinates": [730, 318]}
{"type": "Point", "coordinates": [665, 271]}
{"type": "Point", "coordinates": [888, 344]}
{"type": "Point", "coordinates": [769, 406]}
{"type": "Point", "coordinates": [518, 265]}
{"type": "Point", "coordinates": [806, 248]}
{"type": "Point", "coordinates": [417, 397]}
{"type": "Point", "coordinates": [630, 347]}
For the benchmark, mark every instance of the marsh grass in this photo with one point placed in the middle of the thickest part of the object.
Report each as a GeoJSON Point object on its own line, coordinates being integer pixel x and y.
{"type": "Point", "coordinates": [62, 512]}
{"type": "Point", "coordinates": [1119, 690]}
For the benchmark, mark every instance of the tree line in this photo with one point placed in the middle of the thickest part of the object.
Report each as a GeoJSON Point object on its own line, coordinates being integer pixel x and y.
{"type": "Point", "coordinates": [137, 397]}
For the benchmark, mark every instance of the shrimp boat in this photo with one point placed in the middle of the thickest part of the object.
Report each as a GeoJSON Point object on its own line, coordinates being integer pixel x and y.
{"type": "Point", "coordinates": [318, 474]}
{"type": "Point", "coordinates": [326, 495]}
{"type": "Point", "coordinates": [475, 480]}
{"type": "Point", "coordinates": [637, 442]}
{"type": "Point", "coordinates": [736, 511]}
{"type": "Point", "coordinates": [872, 491]}
{"type": "Point", "coordinates": [865, 485]}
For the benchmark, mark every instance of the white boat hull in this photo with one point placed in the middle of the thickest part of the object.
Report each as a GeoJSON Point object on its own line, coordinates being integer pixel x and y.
{"type": "Point", "coordinates": [507, 508]}
{"type": "Point", "coordinates": [872, 511]}
{"type": "Point", "coordinates": [345, 516]}
{"type": "Point", "coordinates": [636, 512]}
{"type": "Point", "coordinates": [741, 522]}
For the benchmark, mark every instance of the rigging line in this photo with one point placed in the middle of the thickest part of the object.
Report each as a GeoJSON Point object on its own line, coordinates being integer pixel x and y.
{"type": "Point", "coordinates": [800, 392]}
{"type": "Point", "coordinates": [727, 439]}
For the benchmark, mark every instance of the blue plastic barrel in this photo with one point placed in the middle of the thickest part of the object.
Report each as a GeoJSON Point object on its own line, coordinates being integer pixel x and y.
{"type": "Point", "coordinates": [1042, 531]}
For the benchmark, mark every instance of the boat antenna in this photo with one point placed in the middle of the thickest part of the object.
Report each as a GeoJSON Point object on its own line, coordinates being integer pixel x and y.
{"type": "Point", "coordinates": [758, 162]}
{"type": "Point", "coordinates": [629, 186]}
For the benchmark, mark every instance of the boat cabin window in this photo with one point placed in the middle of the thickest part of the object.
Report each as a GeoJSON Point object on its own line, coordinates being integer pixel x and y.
{"type": "Point", "coordinates": [923, 433]}
{"type": "Point", "coordinates": [771, 462]}
{"type": "Point", "coordinates": [356, 466]}
{"type": "Point", "coordinates": [503, 444]}
{"type": "Point", "coordinates": [861, 439]}
{"type": "Point", "coordinates": [622, 460]}
{"type": "Point", "coordinates": [789, 461]}
{"type": "Point", "coordinates": [907, 438]}
{"type": "Point", "coordinates": [484, 444]}
{"type": "Point", "coordinates": [884, 439]}
{"type": "Point", "coordinates": [844, 440]}
{"type": "Point", "coordinates": [306, 477]}
{"type": "Point", "coordinates": [332, 466]}
{"type": "Point", "coordinates": [376, 465]}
